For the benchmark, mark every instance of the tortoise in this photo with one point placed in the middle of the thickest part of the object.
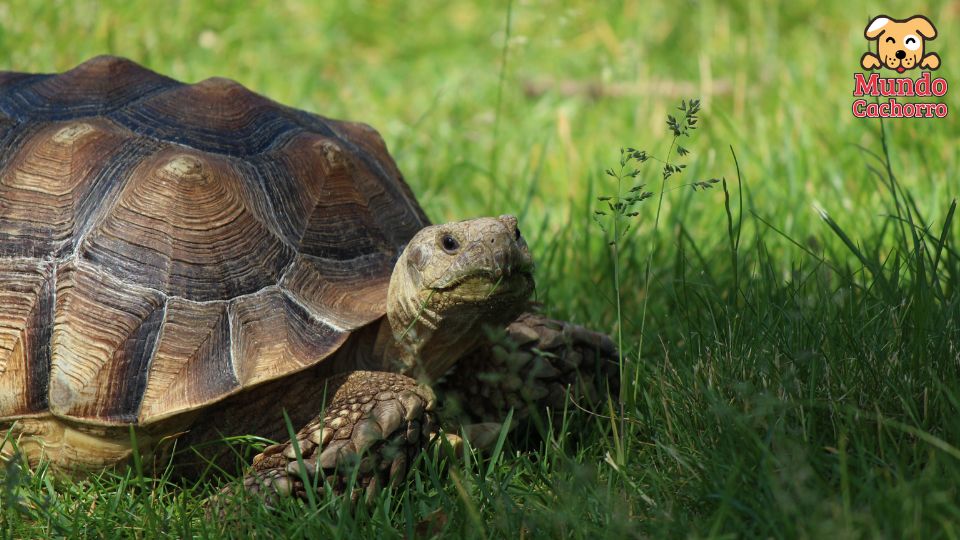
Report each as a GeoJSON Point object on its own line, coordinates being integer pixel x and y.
{"type": "Point", "coordinates": [185, 262]}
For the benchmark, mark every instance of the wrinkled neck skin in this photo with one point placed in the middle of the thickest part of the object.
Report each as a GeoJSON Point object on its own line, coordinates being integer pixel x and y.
{"type": "Point", "coordinates": [414, 339]}
{"type": "Point", "coordinates": [426, 331]}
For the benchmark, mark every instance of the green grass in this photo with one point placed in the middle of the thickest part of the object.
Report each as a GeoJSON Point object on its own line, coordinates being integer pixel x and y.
{"type": "Point", "coordinates": [801, 381]}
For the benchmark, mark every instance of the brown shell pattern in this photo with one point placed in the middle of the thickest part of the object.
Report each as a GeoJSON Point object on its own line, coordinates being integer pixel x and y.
{"type": "Point", "coordinates": [164, 245]}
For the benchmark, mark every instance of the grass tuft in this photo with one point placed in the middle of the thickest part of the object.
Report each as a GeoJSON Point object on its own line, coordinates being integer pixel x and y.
{"type": "Point", "coordinates": [792, 343]}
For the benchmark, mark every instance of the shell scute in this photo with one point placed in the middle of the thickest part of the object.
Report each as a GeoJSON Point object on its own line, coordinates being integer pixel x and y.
{"type": "Point", "coordinates": [165, 245]}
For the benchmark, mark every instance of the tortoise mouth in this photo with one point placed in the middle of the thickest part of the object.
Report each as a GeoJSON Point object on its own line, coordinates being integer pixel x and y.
{"type": "Point", "coordinates": [479, 286]}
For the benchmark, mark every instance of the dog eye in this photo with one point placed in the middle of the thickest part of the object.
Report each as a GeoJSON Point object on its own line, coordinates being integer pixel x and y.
{"type": "Point", "coordinates": [911, 42]}
{"type": "Point", "coordinates": [890, 40]}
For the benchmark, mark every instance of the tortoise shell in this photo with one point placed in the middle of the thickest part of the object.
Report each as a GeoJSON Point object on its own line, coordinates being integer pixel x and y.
{"type": "Point", "coordinates": [164, 245]}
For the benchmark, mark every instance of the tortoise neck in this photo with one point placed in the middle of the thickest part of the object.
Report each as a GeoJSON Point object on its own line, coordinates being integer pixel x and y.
{"type": "Point", "coordinates": [417, 339]}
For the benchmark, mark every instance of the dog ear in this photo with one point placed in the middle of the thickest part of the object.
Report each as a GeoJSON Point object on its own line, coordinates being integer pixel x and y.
{"type": "Point", "coordinates": [876, 27]}
{"type": "Point", "coordinates": [923, 25]}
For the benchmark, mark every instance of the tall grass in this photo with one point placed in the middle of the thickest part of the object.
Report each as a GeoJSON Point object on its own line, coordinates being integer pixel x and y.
{"type": "Point", "coordinates": [795, 371]}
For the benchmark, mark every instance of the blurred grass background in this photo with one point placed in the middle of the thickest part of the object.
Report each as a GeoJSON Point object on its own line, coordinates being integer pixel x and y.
{"type": "Point", "coordinates": [518, 107]}
{"type": "Point", "coordinates": [578, 81]}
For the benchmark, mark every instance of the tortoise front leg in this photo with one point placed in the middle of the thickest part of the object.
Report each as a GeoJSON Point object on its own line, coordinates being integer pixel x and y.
{"type": "Point", "coordinates": [376, 421]}
{"type": "Point", "coordinates": [538, 363]}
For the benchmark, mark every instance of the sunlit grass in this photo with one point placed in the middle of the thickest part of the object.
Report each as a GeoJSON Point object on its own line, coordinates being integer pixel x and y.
{"type": "Point", "coordinates": [801, 382]}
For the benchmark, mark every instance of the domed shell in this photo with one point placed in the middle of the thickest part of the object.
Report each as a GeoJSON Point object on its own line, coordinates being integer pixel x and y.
{"type": "Point", "coordinates": [164, 245]}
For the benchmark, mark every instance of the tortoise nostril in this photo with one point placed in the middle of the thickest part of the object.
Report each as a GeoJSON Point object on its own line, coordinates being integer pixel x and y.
{"type": "Point", "coordinates": [901, 55]}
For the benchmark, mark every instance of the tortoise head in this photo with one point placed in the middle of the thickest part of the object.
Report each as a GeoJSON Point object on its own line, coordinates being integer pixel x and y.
{"type": "Point", "coordinates": [452, 279]}
{"type": "Point", "coordinates": [470, 261]}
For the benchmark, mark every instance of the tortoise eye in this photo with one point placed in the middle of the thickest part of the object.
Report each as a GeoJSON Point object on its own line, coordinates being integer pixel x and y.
{"type": "Point", "coordinates": [517, 234]}
{"type": "Point", "coordinates": [449, 243]}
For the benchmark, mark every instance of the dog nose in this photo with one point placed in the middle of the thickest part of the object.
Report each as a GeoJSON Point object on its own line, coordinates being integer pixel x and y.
{"type": "Point", "coordinates": [901, 55]}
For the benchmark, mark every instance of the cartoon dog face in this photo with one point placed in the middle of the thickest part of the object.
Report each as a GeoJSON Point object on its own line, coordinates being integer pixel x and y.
{"type": "Point", "coordinates": [900, 44]}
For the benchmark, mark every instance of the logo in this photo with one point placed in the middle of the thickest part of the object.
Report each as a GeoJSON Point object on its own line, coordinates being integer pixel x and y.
{"type": "Point", "coordinates": [901, 46]}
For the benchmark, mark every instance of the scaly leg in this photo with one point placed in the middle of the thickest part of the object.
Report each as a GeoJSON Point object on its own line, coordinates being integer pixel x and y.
{"type": "Point", "coordinates": [532, 369]}
{"type": "Point", "coordinates": [377, 421]}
